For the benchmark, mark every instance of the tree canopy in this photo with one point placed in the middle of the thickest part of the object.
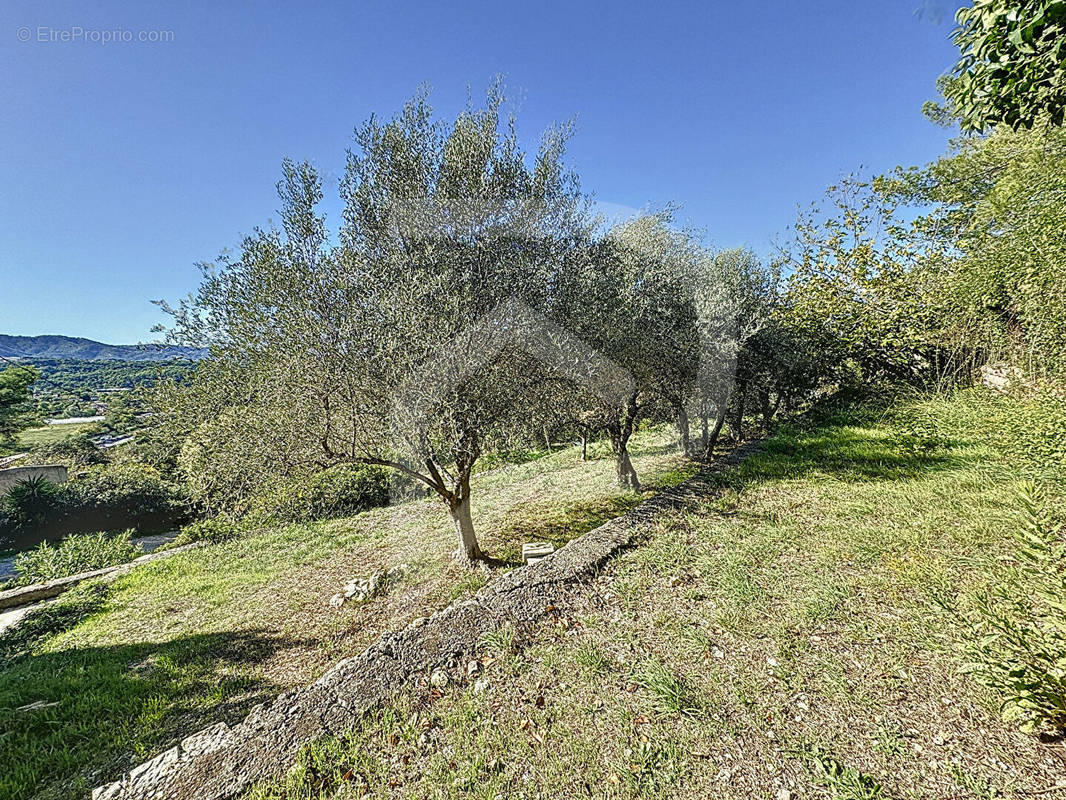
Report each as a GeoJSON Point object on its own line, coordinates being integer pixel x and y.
{"type": "Point", "coordinates": [15, 411]}
{"type": "Point", "coordinates": [1013, 64]}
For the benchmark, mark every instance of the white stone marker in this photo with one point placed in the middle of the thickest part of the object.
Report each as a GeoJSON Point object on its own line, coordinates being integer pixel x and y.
{"type": "Point", "coordinates": [532, 552]}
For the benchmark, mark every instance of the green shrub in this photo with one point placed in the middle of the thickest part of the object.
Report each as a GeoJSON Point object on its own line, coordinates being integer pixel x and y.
{"type": "Point", "coordinates": [74, 554]}
{"type": "Point", "coordinates": [336, 492]}
{"type": "Point", "coordinates": [111, 498]}
{"type": "Point", "coordinates": [1027, 427]}
{"type": "Point", "coordinates": [214, 530]}
{"type": "Point", "coordinates": [77, 450]}
{"type": "Point", "coordinates": [1020, 649]}
{"type": "Point", "coordinates": [131, 488]}
{"type": "Point", "coordinates": [32, 501]}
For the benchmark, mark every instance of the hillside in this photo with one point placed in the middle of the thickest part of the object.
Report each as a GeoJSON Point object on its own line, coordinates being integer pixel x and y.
{"type": "Point", "coordinates": [205, 635]}
{"type": "Point", "coordinates": [794, 631]}
{"type": "Point", "coordinates": [79, 349]}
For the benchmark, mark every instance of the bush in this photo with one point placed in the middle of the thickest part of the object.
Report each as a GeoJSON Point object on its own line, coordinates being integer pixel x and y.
{"type": "Point", "coordinates": [1027, 427]}
{"type": "Point", "coordinates": [32, 501]}
{"type": "Point", "coordinates": [121, 497]}
{"type": "Point", "coordinates": [214, 530]}
{"type": "Point", "coordinates": [113, 498]}
{"type": "Point", "coordinates": [74, 554]}
{"type": "Point", "coordinates": [78, 450]}
{"type": "Point", "coordinates": [1020, 649]}
{"type": "Point", "coordinates": [337, 492]}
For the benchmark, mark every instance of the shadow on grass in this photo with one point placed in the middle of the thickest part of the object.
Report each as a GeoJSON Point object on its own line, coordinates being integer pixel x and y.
{"type": "Point", "coordinates": [844, 451]}
{"type": "Point", "coordinates": [531, 521]}
{"type": "Point", "coordinates": [75, 718]}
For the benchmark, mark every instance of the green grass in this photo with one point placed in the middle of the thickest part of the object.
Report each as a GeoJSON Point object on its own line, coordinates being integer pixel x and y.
{"type": "Point", "coordinates": [50, 434]}
{"type": "Point", "coordinates": [122, 672]}
{"type": "Point", "coordinates": [787, 633]}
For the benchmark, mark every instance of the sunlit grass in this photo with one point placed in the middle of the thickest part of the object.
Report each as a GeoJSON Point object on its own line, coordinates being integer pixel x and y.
{"type": "Point", "coordinates": [785, 635]}
{"type": "Point", "coordinates": [186, 641]}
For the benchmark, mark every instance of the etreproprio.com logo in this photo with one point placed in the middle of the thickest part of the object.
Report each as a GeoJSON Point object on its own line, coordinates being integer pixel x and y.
{"type": "Point", "coordinates": [77, 34]}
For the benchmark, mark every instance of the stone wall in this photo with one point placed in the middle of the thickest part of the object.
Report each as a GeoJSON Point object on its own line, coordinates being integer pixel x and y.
{"type": "Point", "coordinates": [9, 477]}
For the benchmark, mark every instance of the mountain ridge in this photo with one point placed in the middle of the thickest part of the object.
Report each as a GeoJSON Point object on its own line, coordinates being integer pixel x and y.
{"type": "Point", "coordinates": [77, 348]}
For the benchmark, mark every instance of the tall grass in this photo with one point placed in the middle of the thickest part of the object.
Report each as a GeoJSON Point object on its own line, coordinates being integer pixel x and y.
{"type": "Point", "coordinates": [74, 554]}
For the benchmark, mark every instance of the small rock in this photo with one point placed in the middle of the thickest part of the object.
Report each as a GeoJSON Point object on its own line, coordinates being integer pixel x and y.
{"type": "Point", "coordinates": [480, 686]}
{"type": "Point", "coordinates": [337, 601]}
{"type": "Point", "coordinates": [472, 668]}
{"type": "Point", "coordinates": [783, 794]}
{"type": "Point", "coordinates": [439, 678]}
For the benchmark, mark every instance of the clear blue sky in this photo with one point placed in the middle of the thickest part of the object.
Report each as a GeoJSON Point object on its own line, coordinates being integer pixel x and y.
{"type": "Point", "coordinates": [124, 163]}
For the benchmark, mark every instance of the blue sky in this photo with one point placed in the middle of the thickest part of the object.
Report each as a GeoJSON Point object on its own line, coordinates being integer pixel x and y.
{"type": "Point", "coordinates": [124, 163]}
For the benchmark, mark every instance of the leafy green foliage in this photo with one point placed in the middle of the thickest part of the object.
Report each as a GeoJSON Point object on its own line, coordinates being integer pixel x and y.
{"type": "Point", "coordinates": [76, 450]}
{"type": "Point", "coordinates": [1020, 647]}
{"type": "Point", "coordinates": [1013, 64]}
{"type": "Point", "coordinates": [110, 498]}
{"type": "Point", "coordinates": [341, 491]}
{"type": "Point", "coordinates": [33, 501]}
{"type": "Point", "coordinates": [121, 495]}
{"type": "Point", "coordinates": [15, 412]}
{"type": "Point", "coordinates": [76, 388]}
{"type": "Point", "coordinates": [74, 554]}
{"type": "Point", "coordinates": [862, 303]}
{"type": "Point", "coordinates": [992, 225]}
{"type": "Point", "coordinates": [845, 781]}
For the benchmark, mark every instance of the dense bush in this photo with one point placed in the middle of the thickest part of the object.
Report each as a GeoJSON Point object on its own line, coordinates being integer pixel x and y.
{"type": "Point", "coordinates": [217, 529]}
{"type": "Point", "coordinates": [1026, 426]}
{"type": "Point", "coordinates": [337, 492]}
{"type": "Point", "coordinates": [108, 499]}
{"type": "Point", "coordinates": [32, 502]}
{"type": "Point", "coordinates": [77, 450]}
{"type": "Point", "coordinates": [74, 554]}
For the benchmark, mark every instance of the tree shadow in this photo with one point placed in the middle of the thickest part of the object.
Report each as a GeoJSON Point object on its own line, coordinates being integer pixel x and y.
{"type": "Point", "coordinates": [78, 717]}
{"type": "Point", "coordinates": [531, 521]}
{"type": "Point", "coordinates": [844, 452]}
{"type": "Point", "coordinates": [654, 449]}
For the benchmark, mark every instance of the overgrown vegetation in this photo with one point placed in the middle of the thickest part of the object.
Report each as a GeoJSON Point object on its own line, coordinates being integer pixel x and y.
{"type": "Point", "coordinates": [109, 498]}
{"type": "Point", "coordinates": [74, 554]}
{"type": "Point", "coordinates": [1019, 648]}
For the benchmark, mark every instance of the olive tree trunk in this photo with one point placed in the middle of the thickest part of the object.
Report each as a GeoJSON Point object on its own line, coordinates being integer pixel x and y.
{"type": "Point", "coordinates": [464, 528]}
{"type": "Point", "coordinates": [619, 431]}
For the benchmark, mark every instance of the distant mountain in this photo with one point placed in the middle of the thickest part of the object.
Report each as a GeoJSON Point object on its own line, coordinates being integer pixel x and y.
{"type": "Point", "coordinates": [78, 349]}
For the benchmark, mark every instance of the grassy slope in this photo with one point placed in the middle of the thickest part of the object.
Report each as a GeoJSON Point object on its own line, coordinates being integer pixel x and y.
{"type": "Point", "coordinates": [50, 434]}
{"type": "Point", "coordinates": [784, 635]}
{"type": "Point", "coordinates": [184, 642]}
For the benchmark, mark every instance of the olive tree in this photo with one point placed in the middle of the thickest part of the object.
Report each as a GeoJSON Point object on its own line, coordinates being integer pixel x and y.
{"type": "Point", "coordinates": [405, 343]}
{"type": "Point", "coordinates": [633, 298]}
